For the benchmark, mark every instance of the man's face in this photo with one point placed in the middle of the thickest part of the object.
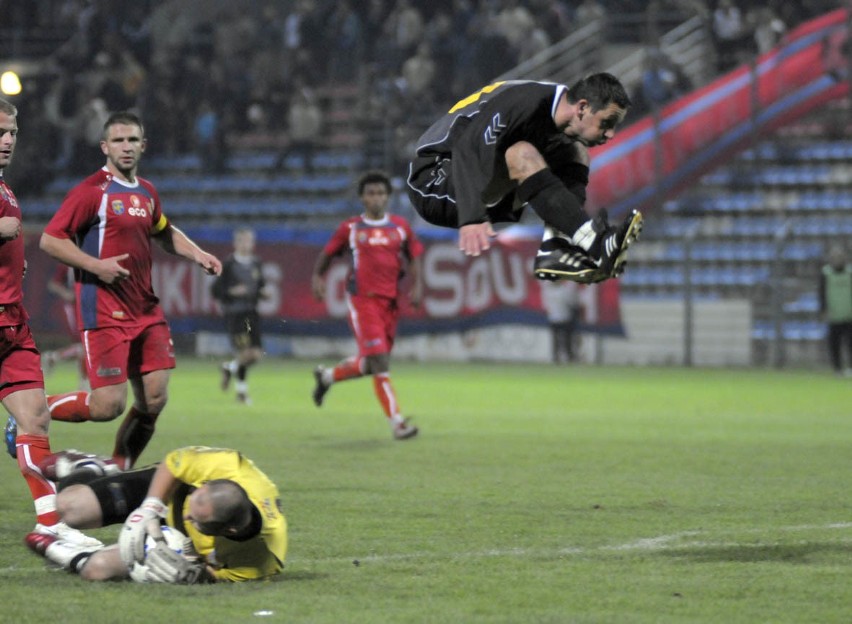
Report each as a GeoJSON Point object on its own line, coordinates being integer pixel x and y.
{"type": "Point", "coordinates": [8, 138]}
{"type": "Point", "coordinates": [244, 243]}
{"type": "Point", "coordinates": [200, 508]}
{"type": "Point", "coordinates": [123, 147]}
{"type": "Point", "coordinates": [374, 198]}
{"type": "Point", "coordinates": [595, 128]}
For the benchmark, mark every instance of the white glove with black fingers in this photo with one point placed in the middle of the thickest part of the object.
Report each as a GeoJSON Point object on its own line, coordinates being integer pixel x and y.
{"type": "Point", "coordinates": [167, 566]}
{"type": "Point", "coordinates": [141, 523]}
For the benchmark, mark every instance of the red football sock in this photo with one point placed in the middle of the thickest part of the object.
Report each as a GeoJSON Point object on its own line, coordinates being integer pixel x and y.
{"type": "Point", "coordinates": [132, 437]}
{"type": "Point", "coordinates": [348, 369]}
{"type": "Point", "coordinates": [386, 395]}
{"type": "Point", "coordinates": [32, 450]}
{"type": "Point", "coordinates": [71, 407]}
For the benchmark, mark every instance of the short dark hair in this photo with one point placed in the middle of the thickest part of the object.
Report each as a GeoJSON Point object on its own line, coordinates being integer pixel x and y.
{"type": "Point", "coordinates": [600, 90]}
{"type": "Point", "coordinates": [125, 118]}
{"type": "Point", "coordinates": [374, 177]}
{"type": "Point", "coordinates": [7, 107]}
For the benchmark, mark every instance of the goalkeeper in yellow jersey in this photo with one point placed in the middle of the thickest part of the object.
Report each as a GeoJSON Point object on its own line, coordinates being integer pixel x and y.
{"type": "Point", "coordinates": [228, 508]}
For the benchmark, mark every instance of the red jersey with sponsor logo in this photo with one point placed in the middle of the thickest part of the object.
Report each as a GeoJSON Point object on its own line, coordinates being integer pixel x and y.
{"type": "Point", "coordinates": [108, 217]}
{"type": "Point", "coordinates": [377, 248]}
{"type": "Point", "coordinates": [11, 264]}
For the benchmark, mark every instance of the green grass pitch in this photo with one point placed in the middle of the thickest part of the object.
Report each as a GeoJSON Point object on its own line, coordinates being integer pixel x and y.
{"type": "Point", "coordinates": [533, 494]}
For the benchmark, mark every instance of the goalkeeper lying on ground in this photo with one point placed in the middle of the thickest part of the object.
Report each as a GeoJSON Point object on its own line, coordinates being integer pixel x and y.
{"type": "Point", "coordinates": [229, 509]}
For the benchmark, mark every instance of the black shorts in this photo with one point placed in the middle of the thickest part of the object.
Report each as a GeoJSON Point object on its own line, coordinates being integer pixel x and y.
{"type": "Point", "coordinates": [430, 189]}
{"type": "Point", "coordinates": [432, 193]}
{"type": "Point", "coordinates": [120, 494]}
{"type": "Point", "coordinates": [244, 329]}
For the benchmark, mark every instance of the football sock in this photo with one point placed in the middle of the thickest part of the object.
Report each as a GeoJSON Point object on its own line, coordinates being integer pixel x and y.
{"type": "Point", "coordinates": [70, 556]}
{"type": "Point", "coordinates": [70, 407]}
{"type": "Point", "coordinates": [32, 450]}
{"type": "Point", "coordinates": [349, 368]}
{"type": "Point", "coordinates": [552, 201]}
{"type": "Point", "coordinates": [232, 366]}
{"type": "Point", "coordinates": [387, 397]}
{"type": "Point", "coordinates": [132, 437]}
{"type": "Point", "coordinates": [242, 369]}
{"type": "Point", "coordinates": [241, 387]}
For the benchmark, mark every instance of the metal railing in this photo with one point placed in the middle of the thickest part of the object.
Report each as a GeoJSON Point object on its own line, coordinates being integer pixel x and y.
{"type": "Point", "coordinates": [565, 61]}
{"type": "Point", "coordinates": [689, 45]}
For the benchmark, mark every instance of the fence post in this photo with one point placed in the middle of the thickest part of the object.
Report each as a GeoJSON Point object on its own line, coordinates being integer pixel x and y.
{"type": "Point", "coordinates": [777, 286]}
{"type": "Point", "coordinates": [688, 309]}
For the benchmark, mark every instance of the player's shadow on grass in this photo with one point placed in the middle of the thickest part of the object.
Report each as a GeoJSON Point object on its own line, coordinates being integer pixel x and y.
{"type": "Point", "coordinates": [755, 553]}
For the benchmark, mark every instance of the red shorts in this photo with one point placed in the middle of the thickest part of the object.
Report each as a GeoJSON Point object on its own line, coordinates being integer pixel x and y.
{"type": "Point", "coordinates": [114, 354]}
{"type": "Point", "coordinates": [373, 321]}
{"type": "Point", "coordinates": [20, 363]}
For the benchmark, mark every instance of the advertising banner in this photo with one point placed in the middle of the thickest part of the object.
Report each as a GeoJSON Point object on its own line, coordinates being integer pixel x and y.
{"type": "Point", "coordinates": [461, 292]}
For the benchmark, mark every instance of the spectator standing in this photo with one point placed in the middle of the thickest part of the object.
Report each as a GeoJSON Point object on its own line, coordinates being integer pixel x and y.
{"type": "Point", "coordinates": [729, 29]}
{"type": "Point", "coordinates": [304, 124]}
{"type": "Point", "coordinates": [835, 295]}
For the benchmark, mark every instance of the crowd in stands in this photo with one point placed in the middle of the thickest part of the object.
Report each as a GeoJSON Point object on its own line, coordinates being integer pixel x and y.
{"type": "Point", "coordinates": [202, 70]}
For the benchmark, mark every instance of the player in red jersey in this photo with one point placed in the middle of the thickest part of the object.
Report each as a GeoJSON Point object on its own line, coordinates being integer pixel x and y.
{"type": "Point", "coordinates": [104, 230]}
{"type": "Point", "coordinates": [21, 379]}
{"type": "Point", "coordinates": [61, 284]}
{"type": "Point", "coordinates": [378, 242]}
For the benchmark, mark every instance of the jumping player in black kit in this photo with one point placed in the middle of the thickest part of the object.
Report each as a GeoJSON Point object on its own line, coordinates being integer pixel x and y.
{"type": "Point", "coordinates": [518, 143]}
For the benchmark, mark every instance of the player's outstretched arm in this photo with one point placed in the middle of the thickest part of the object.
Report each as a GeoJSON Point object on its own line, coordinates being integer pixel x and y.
{"type": "Point", "coordinates": [175, 242]}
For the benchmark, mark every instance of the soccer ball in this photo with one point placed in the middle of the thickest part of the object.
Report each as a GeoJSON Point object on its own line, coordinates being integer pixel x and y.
{"type": "Point", "coordinates": [175, 540]}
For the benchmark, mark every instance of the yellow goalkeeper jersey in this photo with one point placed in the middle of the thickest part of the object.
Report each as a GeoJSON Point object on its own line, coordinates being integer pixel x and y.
{"type": "Point", "coordinates": [257, 557]}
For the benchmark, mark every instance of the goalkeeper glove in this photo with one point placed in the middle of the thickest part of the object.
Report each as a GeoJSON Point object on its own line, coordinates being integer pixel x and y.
{"type": "Point", "coordinates": [167, 566]}
{"type": "Point", "coordinates": [141, 523]}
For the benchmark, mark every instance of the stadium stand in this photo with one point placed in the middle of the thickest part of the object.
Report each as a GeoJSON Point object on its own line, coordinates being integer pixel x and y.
{"type": "Point", "coordinates": [759, 227]}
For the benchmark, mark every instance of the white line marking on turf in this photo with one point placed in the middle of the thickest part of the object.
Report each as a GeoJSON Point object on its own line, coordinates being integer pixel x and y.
{"type": "Point", "coordinates": [661, 543]}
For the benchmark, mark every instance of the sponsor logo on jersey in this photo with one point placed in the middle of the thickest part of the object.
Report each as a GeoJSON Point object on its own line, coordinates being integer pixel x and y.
{"type": "Point", "coordinates": [117, 206]}
{"type": "Point", "coordinates": [378, 237]}
{"type": "Point", "coordinates": [118, 314]}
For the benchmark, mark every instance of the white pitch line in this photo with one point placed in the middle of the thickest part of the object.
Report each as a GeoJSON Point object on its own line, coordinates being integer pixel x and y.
{"type": "Point", "coordinates": [660, 543]}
